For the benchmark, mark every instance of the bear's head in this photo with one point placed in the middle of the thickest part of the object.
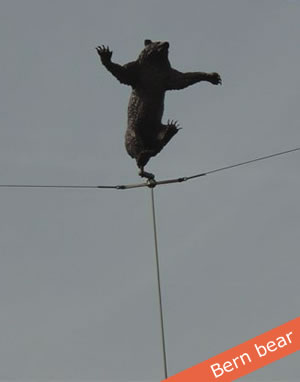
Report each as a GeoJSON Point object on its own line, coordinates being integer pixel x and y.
{"type": "Point", "coordinates": [154, 52]}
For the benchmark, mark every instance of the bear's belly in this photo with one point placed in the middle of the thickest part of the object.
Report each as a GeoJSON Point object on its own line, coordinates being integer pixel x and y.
{"type": "Point", "coordinates": [145, 111]}
{"type": "Point", "coordinates": [144, 122]}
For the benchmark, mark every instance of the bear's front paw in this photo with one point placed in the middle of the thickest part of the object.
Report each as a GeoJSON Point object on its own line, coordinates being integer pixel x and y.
{"type": "Point", "coordinates": [216, 79]}
{"type": "Point", "coordinates": [104, 52]}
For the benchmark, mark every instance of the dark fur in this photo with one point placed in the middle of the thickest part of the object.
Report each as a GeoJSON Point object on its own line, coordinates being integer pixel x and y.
{"type": "Point", "coordinates": [150, 76]}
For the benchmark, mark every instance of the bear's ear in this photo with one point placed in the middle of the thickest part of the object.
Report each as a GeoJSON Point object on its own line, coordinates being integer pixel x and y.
{"type": "Point", "coordinates": [147, 42]}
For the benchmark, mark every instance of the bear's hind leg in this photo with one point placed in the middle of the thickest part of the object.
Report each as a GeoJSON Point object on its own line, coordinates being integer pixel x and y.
{"type": "Point", "coordinates": [166, 133]}
{"type": "Point", "coordinates": [141, 160]}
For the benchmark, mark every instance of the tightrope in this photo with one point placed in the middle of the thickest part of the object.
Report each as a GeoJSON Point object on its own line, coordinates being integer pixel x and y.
{"type": "Point", "coordinates": [151, 183]}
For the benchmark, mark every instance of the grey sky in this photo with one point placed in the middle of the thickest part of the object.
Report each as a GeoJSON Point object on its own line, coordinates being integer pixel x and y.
{"type": "Point", "coordinates": [78, 297]}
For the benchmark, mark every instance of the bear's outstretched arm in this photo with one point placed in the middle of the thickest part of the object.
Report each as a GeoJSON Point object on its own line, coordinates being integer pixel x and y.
{"type": "Point", "coordinates": [126, 74]}
{"type": "Point", "coordinates": [178, 80]}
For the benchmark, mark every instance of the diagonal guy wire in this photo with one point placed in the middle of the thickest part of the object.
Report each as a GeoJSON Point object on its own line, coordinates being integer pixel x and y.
{"type": "Point", "coordinates": [151, 182]}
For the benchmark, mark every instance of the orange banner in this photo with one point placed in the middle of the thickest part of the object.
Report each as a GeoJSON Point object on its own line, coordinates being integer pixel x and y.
{"type": "Point", "coordinates": [245, 358]}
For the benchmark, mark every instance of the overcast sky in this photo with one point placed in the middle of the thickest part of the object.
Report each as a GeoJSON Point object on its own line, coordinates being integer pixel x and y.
{"type": "Point", "coordinates": [78, 293]}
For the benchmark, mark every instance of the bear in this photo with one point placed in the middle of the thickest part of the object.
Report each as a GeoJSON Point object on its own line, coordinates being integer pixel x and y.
{"type": "Point", "coordinates": [150, 76]}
